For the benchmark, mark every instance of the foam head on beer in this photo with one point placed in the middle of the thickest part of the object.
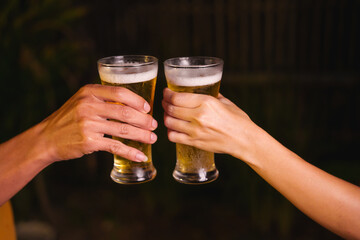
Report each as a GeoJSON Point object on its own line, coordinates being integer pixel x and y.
{"type": "Point", "coordinates": [191, 77]}
{"type": "Point", "coordinates": [126, 75]}
{"type": "Point", "coordinates": [190, 72]}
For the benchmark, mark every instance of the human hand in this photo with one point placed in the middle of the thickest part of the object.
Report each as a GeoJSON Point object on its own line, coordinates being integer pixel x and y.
{"type": "Point", "coordinates": [209, 123]}
{"type": "Point", "coordinates": [79, 126]}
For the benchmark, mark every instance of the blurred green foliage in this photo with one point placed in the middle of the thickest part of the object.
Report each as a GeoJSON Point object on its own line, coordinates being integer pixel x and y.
{"type": "Point", "coordinates": [41, 59]}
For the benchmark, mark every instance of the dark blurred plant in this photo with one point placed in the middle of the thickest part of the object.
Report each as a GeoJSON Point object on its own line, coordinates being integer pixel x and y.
{"type": "Point", "coordinates": [41, 59]}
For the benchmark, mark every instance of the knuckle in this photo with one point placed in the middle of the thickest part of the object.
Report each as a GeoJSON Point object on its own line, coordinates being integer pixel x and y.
{"type": "Point", "coordinates": [123, 129]}
{"type": "Point", "coordinates": [81, 109]}
{"type": "Point", "coordinates": [86, 143]}
{"type": "Point", "coordinates": [199, 144]}
{"type": "Point", "coordinates": [201, 118]}
{"type": "Point", "coordinates": [87, 88]}
{"type": "Point", "coordinates": [195, 133]}
{"type": "Point", "coordinates": [125, 112]}
{"type": "Point", "coordinates": [83, 124]}
{"type": "Point", "coordinates": [170, 109]}
{"type": "Point", "coordinates": [116, 148]}
{"type": "Point", "coordinates": [84, 89]}
{"type": "Point", "coordinates": [208, 101]}
{"type": "Point", "coordinates": [128, 153]}
{"type": "Point", "coordinates": [122, 150]}
{"type": "Point", "coordinates": [174, 98]}
{"type": "Point", "coordinates": [84, 134]}
{"type": "Point", "coordinates": [121, 92]}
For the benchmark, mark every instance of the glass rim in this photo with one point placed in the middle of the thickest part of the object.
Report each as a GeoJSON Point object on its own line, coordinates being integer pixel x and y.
{"type": "Point", "coordinates": [217, 62]}
{"type": "Point", "coordinates": [153, 60]}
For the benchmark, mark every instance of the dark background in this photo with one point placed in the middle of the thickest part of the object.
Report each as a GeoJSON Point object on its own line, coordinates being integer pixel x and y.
{"type": "Point", "coordinates": [293, 66]}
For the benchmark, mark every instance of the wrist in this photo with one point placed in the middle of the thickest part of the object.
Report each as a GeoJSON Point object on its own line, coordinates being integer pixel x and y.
{"type": "Point", "coordinates": [253, 145]}
{"type": "Point", "coordinates": [31, 149]}
{"type": "Point", "coordinates": [24, 155]}
{"type": "Point", "coordinates": [41, 150]}
{"type": "Point", "coordinates": [21, 159]}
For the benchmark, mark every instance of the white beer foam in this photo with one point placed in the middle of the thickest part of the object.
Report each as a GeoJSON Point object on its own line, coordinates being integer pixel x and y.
{"type": "Point", "coordinates": [187, 78]}
{"type": "Point", "coordinates": [112, 76]}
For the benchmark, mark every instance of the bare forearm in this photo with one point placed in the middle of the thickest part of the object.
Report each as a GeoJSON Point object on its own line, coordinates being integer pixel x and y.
{"type": "Point", "coordinates": [21, 158]}
{"type": "Point", "coordinates": [219, 125]}
{"type": "Point", "coordinates": [328, 200]}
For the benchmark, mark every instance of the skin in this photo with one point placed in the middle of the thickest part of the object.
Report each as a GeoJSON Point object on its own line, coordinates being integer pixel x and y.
{"type": "Point", "coordinates": [218, 125]}
{"type": "Point", "coordinates": [76, 129]}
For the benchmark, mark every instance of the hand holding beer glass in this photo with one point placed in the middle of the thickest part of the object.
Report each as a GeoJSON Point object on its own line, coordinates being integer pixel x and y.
{"type": "Point", "coordinates": [201, 75]}
{"type": "Point", "coordinates": [138, 74]}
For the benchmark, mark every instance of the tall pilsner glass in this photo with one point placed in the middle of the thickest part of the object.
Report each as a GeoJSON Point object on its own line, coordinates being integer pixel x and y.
{"type": "Point", "coordinates": [200, 75]}
{"type": "Point", "coordinates": [137, 73]}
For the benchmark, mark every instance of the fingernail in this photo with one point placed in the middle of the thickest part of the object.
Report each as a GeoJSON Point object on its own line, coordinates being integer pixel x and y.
{"type": "Point", "coordinates": [154, 123]}
{"type": "Point", "coordinates": [153, 137]}
{"type": "Point", "coordinates": [147, 107]}
{"type": "Point", "coordinates": [141, 157]}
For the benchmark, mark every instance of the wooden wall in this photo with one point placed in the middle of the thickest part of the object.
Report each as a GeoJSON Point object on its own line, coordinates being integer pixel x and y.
{"type": "Point", "coordinates": [251, 35]}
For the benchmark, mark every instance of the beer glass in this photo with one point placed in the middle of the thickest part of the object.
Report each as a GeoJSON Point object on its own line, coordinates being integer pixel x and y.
{"type": "Point", "coordinates": [200, 75]}
{"type": "Point", "coordinates": [137, 73]}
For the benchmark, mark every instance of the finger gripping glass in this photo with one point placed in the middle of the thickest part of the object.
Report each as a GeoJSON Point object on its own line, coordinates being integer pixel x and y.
{"type": "Point", "coordinates": [137, 73]}
{"type": "Point", "coordinates": [201, 75]}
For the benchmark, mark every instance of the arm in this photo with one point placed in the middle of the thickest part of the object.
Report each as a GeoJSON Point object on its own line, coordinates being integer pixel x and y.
{"type": "Point", "coordinates": [219, 125]}
{"type": "Point", "coordinates": [77, 128]}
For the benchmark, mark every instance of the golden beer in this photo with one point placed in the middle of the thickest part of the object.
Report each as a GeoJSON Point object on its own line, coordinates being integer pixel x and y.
{"type": "Point", "coordinates": [138, 75]}
{"type": "Point", "coordinates": [201, 75]}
